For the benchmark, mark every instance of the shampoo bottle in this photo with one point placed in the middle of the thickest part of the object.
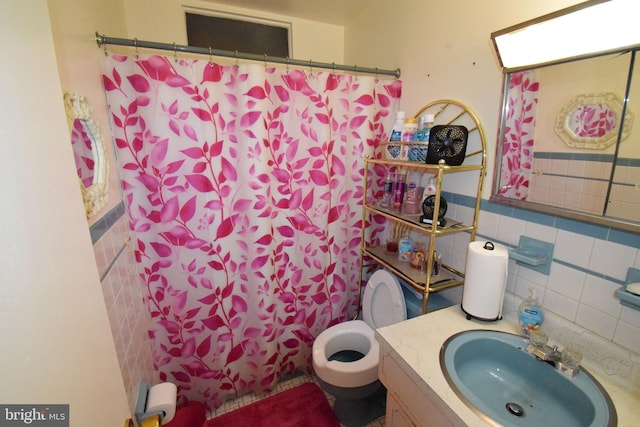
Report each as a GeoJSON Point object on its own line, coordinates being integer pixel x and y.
{"type": "Point", "coordinates": [398, 126]}
{"type": "Point", "coordinates": [530, 315]}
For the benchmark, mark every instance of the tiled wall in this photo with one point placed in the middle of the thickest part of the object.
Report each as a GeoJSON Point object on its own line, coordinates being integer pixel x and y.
{"type": "Point", "coordinates": [561, 180]}
{"type": "Point", "coordinates": [625, 192]}
{"type": "Point", "coordinates": [579, 181]}
{"type": "Point", "coordinates": [125, 300]}
{"type": "Point", "coordinates": [589, 263]}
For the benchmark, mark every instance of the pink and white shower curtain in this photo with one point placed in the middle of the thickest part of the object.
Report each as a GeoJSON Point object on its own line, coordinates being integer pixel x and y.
{"type": "Point", "coordinates": [243, 186]}
{"type": "Point", "coordinates": [517, 152]}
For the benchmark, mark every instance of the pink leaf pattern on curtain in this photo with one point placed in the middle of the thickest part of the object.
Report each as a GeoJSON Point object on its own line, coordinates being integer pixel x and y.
{"type": "Point", "coordinates": [243, 186]}
{"type": "Point", "coordinates": [518, 141]}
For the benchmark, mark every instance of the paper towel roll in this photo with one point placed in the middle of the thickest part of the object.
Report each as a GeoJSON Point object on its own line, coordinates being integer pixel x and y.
{"type": "Point", "coordinates": [163, 397]}
{"type": "Point", "coordinates": [485, 280]}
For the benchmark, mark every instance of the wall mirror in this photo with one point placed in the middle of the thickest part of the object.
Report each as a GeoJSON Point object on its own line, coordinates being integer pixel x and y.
{"type": "Point", "coordinates": [88, 152]}
{"type": "Point", "coordinates": [567, 142]}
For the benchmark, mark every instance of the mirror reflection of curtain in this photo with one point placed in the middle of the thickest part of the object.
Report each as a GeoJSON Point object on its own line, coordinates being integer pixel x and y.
{"type": "Point", "coordinates": [243, 186]}
{"type": "Point", "coordinates": [517, 154]}
{"type": "Point", "coordinates": [83, 153]}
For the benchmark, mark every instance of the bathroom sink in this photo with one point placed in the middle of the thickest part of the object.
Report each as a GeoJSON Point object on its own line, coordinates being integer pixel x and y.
{"type": "Point", "coordinates": [492, 373]}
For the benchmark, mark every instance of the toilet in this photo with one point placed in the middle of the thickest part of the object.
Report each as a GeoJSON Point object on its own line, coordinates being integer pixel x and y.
{"type": "Point", "coordinates": [345, 356]}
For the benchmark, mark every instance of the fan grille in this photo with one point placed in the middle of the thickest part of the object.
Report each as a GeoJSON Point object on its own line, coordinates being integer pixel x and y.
{"type": "Point", "coordinates": [448, 143]}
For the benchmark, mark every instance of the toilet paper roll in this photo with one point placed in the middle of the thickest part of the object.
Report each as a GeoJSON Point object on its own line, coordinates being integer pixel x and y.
{"type": "Point", "coordinates": [163, 397]}
{"type": "Point", "coordinates": [485, 280]}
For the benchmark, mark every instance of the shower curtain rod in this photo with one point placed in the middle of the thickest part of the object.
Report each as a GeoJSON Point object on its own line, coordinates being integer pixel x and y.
{"type": "Point", "coordinates": [103, 40]}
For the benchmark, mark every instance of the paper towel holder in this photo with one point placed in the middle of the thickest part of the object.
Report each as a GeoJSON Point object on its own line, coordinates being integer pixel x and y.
{"type": "Point", "coordinates": [141, 405]}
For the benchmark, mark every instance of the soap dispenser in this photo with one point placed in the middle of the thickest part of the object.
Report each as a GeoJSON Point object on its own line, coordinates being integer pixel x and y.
{"type": "Point", "coordinates": [530, 315]}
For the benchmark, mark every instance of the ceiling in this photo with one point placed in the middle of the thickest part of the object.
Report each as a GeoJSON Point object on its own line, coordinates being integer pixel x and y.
{"type": "Point", "coordinates": [337, 12]}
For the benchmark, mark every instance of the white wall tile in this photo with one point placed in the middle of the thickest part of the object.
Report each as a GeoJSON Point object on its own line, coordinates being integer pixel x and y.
{"type": "Point", "coordinates": [628, 336]}
{"type": "Point", "coordinates": [566, 281]}
{"type": "Point", "coordinates": [600, 294]}
{"type": "Point", "coordinates": [573, 248]}
{"type": "Point", "coordinates": [540, 232]}
{"type": "Point", "coordinates": [596, 321]}
{"type": "Point", "coordinates": [630, 316]}
{"type": "Point", "coordinates": [510, 230]}
{"type": "Point", "coordinates": [560, 305]}
{"type": "Point", "coordinates": [488, 224]}
{"type": "Point", "coordinates": [611, 259]}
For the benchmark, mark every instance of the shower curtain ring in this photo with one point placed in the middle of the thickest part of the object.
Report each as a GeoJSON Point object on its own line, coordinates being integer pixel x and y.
{"type": "Point", "coordinates": [265, 61]}
{"type": "Point", "coordinates": [237, 63]}
{"type": "Point", "coordinates": [175, 52]}
{"type": "Point", "coordinates": [355, 70]}
{"type": "Point", "coordinates": [310, 68]}
{"type": "Point", "coordinates": [210, 58]}
{"type": "Point", "coordinates": [135, 46]}
{"type": "Point", "coordinates": [287, 65]}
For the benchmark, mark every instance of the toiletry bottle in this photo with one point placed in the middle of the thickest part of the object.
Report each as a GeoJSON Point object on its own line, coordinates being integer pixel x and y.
{"type": "Point", "coordinates": [387, 189]}
{"type": "Point", "coordinates": [530, 315]}
{"type": "Point", "coordinates": [409, 129]}
{"type": "Point", "coordinates": [412, 202]}
{"type": "Point", "coordinates": [428, 124]}
{"type": "Point", "coordinates": [430, 188]}
{"type": "Point", "coordinates": [398, 126]}
{"type": "Point", "coordinates": [419, 136]}
{"type": "Point", "coordinates": [405, 248]}
{"type": "Point", "coordinates": [401, 187]}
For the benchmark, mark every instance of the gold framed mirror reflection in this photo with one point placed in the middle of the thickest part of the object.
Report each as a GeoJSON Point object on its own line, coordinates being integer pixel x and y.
{"type": "Point", "coordinates": [88, 152]}
{"type": "Point", "coordinates": [591, 121]}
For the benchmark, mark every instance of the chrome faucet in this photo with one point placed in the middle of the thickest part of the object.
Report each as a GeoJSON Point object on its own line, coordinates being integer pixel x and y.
{"type": "Point", "coordinates": [546, 353]}
{"type": "Point", "coordinates": [566, 361]}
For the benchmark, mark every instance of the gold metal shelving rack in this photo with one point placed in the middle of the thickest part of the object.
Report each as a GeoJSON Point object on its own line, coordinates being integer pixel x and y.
{"type": "Point", "coordinates": [446, 112]}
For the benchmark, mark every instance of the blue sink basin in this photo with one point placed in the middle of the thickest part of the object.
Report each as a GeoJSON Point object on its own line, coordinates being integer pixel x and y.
{"type": "Point", "coordinates": [492, 373]}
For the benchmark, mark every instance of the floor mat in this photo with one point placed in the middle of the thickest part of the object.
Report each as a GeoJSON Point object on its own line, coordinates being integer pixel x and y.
{"type": "Point", "coordinates": [304, 405]}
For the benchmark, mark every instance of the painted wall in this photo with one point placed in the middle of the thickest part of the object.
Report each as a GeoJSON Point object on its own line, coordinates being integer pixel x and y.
{"type": "Point", "coordinates": [56, 340]}
{"type": "Point", "coordinates": [74, 23]}
{"type": "Point", "coordinates": [311, 40]}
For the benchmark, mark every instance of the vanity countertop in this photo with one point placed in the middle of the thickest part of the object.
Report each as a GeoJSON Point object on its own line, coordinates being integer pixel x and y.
{"type": "Point", "coordinates": [415, 346]}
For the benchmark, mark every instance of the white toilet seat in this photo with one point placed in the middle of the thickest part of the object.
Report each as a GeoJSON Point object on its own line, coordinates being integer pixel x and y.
{"type": "Point", "coordinates": [383, 304]}
{"type": "Point", "coordinates": [352, 335]}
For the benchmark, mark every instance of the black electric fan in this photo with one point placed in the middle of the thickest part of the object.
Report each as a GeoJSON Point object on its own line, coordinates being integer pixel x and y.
{"type": "Point", "coordinates": [448, 143]}
{"type": "Point", "coordinates": [428, 210]}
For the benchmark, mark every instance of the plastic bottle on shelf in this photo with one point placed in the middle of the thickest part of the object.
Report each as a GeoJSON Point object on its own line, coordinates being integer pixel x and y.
{"type": "Point", "coordinates": [387, 189]}
{"type": "Point", "coordinates": [398, 127]}
{"type": "Point", "coordinates": [430, 188]}
{"type": "Point", "coordinates": [419, 136]}
{"type": "Point", "coordinates": [399, 191]}
{"type": "Point", "coordinates": [405, 248]}
{"type": "Point", "coordinates": [428, 124]}
{"type": "Point", "coordinates": [412, 202]}
{"type": "Point", "coordinates": [409, 129]}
